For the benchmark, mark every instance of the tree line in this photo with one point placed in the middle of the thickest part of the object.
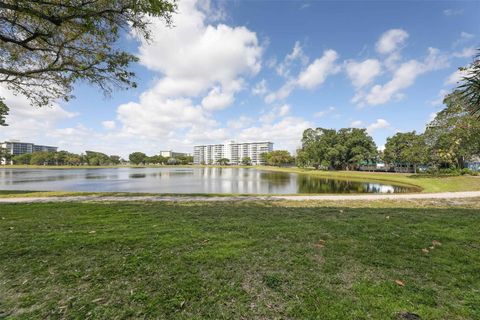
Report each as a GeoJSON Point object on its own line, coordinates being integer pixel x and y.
{"type": "Point", "coordinates": [90, 158]}
{"type": "Point", "coordinates": [450, 140]}
{"type": "Point", "coordinates": [141, 158]}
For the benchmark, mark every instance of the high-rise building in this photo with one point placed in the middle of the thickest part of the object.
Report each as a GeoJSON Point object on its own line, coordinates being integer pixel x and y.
{"type": "Point", "coordinates": [234, 152]}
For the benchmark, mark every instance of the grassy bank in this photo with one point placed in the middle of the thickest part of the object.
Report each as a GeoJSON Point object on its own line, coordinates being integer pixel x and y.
{"type": "Point", "coordinates": [426, 183]}
{"type": "Point", "coordinates": [233, 261]}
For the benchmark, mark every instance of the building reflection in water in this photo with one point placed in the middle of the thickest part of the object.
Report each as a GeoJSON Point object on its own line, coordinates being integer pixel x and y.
{"type": "Point", "coordinates": [184, 180]}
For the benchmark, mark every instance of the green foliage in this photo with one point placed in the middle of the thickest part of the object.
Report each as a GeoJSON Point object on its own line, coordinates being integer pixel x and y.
{"type": "Point", "coordinates": [408, 147]}
{"type": "Point", "coordinates": [46, 46]}
{"type": "Point", "coordinates": [223, 161]}
{"type": "Point", "coordinates": [42, 158]}
{"type": "Point", "coordinates": [453, 137]}
{"type": "Point", "coordinates": [5, 155]}
{"type": "Point", "coordinates": [278, 158]}
{"type": "Point", "coordinates": [185, 160]}
{"type": "Point", "coordinates": [331, 149]}
{"type": "Point", "coordinates": [22, 158]}
{"type": "Point", "coordinates": [137, 157]}
{"type": "Point", "coordinates": [114, 159]}
{"type": "Point", "coordinates": [246, 161]}
{"type": "Point", "coordinates": [157, 159]}
{"type": "Point", "coordinates": [470, 87]}
{"type": "Point", "coordinates": [94, 158]}
{"type": "Point", "coordinates": [3, 112]}
{"type": "Point", "coordinates": [173, 161]}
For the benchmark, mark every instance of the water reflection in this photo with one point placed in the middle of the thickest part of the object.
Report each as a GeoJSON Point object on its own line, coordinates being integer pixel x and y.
{"type": "Point", "coordinates": [308, 184]}
{"type": "Point", "coordinates": [183, 180]}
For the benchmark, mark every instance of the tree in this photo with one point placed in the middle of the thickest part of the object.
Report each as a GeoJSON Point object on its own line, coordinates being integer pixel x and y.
{"type": "Point", "coordinates": [246, 161]}
{"type": "Point", "coordinates": [278, 158]}
{"type": "Point", "coordinates": [408, 147]}
{"type": "Point", "coordinates": [114, 159]}
{"type": "Point", "coordinates": [354, 146]}
{"type": "Point", "coordinates": [470, 86]}
{"type": "Point", "coordinates": [185, 159]}
{"type": "Point", "coordinates": [329, 149]}
{"type": "Point", "coordinates": [3, 113]}
{"type": "Point", "coordinates": [22, 158]}
{"type": "Point", "coordinates": [42, 158]}
{"type": "Point", "coordinates": [5, 155]}
{"type": "Point", "coordinates": [94, 158]}
{"type": "Point", "coordinates": [454, 135]}
{"type": "Point", "coordinates": [46, 46]}
{"type": "Point", "coordinates": [223, 161]}
{"type": "Point", "coordinates": [137, 157]}
{"type": "Point", "coordinates": [173, 161]}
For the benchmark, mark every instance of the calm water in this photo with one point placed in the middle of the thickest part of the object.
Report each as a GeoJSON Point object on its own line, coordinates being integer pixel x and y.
{"type": "Point", "coordinates": [182, 180]}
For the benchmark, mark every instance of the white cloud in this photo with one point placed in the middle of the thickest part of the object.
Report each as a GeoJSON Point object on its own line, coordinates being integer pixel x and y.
{"type": "Point", "coordinates": [285, 133]}
{"type": "Point", "coordinates": [455, 77]}
{"type": "Point", "coordinates": [378, 124]}
{"type": "Point", "coordinates": [109, 125]}
{"type": "Point", "coordinates": [311, 77]}
{"type": "Point", "coordinates": [284, 68]}
{"type": "Point", "coordinates": [356, 124]}
{"type": "Point", "coordinates": [30, 123]}
{"type": "Point", "coordinates": [391, 40]}
{"type": "Point", "coordinates": [439, 100]}
{"type": "Point", "coordinates": [403, 77]}
{"type": "Point", "coordinates": [194, 57]}
{"type": "Point", "coordinates": [275, 113]}
{"type": "Point", "coordinates": [260, 88]}
{"type": "Point", "coordinates": [195, 61]}
{"type": "Point", "coordinates": [316, 73]}
{"type": "Point", "coordinates": [323, 113]}
{"type": "Point", "coordinates": [217, 100]}
{"type": "Point", "coordinates": [363, 73]}
{"type": "Point", "coordinates": [240, 122]}
{"type": "Point", "coordinates": [452, 12]}
{"type": "Point", "coordinates": [465, 53]}
{"type": "Point", "coordinates": [282, 93]}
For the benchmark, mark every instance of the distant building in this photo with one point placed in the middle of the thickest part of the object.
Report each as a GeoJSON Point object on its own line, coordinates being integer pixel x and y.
{"type": "Point", "coordinates": [235, 152]}
{"type": "Point", "coordinates": [172, 154]}
{"type": "Point", "coordinates": [16, 148]}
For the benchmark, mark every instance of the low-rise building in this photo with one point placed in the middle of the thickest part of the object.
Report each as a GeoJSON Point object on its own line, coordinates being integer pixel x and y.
{"type": "Point", "coordinates": [234, 152]}
{"type": "Point", "coordinates": [173, 154]}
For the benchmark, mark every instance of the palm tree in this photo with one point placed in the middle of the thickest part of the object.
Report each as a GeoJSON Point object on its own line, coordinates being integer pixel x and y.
{"type": "Point", "coordinates": [470, 87]}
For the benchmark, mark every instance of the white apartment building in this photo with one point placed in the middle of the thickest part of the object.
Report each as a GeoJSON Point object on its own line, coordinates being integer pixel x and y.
{"type": "Point", "coordinates": [235, 152]}
{"type": "Point", "coordinates": [15, 148]}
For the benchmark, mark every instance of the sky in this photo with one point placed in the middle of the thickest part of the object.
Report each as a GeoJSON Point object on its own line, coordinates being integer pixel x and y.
{"type": "Point", "coordinates": [267, 70]}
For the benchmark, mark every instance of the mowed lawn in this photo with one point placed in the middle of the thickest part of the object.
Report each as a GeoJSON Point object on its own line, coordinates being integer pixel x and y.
{"type": "Point", "coordinates": [238, 261]}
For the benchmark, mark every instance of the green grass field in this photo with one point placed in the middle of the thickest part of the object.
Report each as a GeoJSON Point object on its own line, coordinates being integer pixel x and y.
{"type": "Point", "coordinates": [240, 260]}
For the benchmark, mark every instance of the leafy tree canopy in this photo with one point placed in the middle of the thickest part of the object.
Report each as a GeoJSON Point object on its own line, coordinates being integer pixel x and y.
{"type": "Point", "coordinates": [470, 87]}
{"type": "Point", "coordinates": [137, 157]}
{"type": "Point", "coordinates": [408, 147]}
{"type": "Point", "coordinates": [3, 113]}
{"type": "Point", "coordinates": [454, 135]}
{"type": "Point", "coordinates": [342, 149]}
{"type": "Point", "coordinates": [278, 158]}
{"type": "Point", "coordinates": [46, 46]}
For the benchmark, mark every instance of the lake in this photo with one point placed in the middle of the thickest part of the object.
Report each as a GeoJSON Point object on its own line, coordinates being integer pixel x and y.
{"type": "Point", "coordinates": [184, 180]}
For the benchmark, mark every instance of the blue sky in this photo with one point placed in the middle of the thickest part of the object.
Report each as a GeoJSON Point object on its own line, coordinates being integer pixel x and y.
{"type": "Point", "coordinates": [267, 70]}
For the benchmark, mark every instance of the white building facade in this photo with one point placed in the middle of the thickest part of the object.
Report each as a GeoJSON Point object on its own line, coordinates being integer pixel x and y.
{"type": "Point", "coordinates": [173, 154]}
{"type": "Point", "coordinates": [16, 148]}
{"type": "Point", "coordinates": [234, 152]}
